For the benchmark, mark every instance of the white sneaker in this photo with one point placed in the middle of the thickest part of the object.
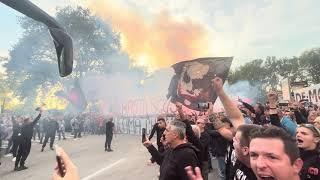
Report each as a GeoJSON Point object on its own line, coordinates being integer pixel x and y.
{"type": "Point", "coordinates": [14, 159]}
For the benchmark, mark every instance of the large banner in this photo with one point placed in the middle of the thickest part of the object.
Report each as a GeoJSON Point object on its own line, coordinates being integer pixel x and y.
{"type": "Point", "coordinates": [191, 84]}
{"type": "Point", "coordinates": [134, 125]}
{"type": "Point", "coordinates": [312, 94]}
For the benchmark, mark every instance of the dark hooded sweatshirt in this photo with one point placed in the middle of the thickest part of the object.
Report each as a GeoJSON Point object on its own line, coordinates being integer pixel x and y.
{"type": "Point", "coordinates": [172, 162]}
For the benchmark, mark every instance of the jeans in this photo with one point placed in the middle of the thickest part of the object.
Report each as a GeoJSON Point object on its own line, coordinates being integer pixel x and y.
{"type": "Point", "coordinates": [221, 167]}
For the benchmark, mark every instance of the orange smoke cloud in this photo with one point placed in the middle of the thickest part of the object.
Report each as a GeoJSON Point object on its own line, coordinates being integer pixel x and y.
{"type": "Point", "coordinates": [155, 41]}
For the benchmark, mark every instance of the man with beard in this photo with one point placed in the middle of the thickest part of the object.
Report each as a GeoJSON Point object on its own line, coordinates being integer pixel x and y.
{"type": "Point", "coordinates": [25, 145]}
{"type": "Point", "coordinates": [51, 130]}
{"type": "Point", "coordinates": [109, 134]}
{"type": "Point", "coordinates": [159, 128]}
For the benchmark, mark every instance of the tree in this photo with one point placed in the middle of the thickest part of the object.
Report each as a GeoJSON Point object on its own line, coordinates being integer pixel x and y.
{"type": "Point", "coordinates": [310, 62]}
{"type": "Point", "coordinates": [291, 68]}
{"type": "Point", "coordinates": [252, 71]}
{"type": "Point", "coordinates": [94, 40]}
{"type": "Point", "coordinates": [269, 72]}
{"type": "Point", "coordinates": [32, 64]}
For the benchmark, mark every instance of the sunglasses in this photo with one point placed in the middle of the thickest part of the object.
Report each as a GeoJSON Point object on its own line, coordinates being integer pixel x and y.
{"type": "Point", "coordinates": [311, 127]}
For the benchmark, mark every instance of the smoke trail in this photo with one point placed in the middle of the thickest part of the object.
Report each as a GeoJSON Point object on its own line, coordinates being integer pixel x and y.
{"type": "Point", "coordinates": [244, 90]}
{"type": "Point", "coordinates": [241, 89]}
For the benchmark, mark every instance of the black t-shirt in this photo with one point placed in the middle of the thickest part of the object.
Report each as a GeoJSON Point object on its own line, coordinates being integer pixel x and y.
{"type": "Point", "coordinates": [311, 165]}
{"type": "Point", "coordinates": [109, 127]}
{"type": "Point", "coordinates": [204, 139]}
{"type": "Point", "coordinates": [241, 172]}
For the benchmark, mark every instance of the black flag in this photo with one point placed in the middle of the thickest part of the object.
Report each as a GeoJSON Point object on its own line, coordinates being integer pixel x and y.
{"type": "Point", "coordinates": [61, 39]}
{"type": "Point", "coordinates": [191, 84]}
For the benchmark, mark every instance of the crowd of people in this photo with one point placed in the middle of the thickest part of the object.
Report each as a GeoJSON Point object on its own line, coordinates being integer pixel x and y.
{"type": "Point", "coordinates": [271, 141]}
{"type": "Point", "coordinates": [261, 142]}
{"type": "Point", "coordinates": [265, 141]}
{"type": "Point", "coordinates": [20, 131]}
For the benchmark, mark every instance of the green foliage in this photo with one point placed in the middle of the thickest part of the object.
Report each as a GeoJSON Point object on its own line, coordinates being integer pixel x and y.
{"type": "Point", "coordinates": [269, 72]}
{"type": "Point", "coordinates": [252, 72]}
{"type": "Point", "coordinates": [310, 62]}
{"type": "Point", "coordinates": [33, 62]}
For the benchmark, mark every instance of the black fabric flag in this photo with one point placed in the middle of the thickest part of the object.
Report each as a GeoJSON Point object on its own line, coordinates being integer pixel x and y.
{"type": "Point", "coordinates": [62, 40]}
{"type": "Point", "coordinates": [191, 84]}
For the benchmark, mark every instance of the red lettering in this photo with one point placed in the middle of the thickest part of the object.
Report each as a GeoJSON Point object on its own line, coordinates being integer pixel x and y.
{"type": "Point", "coordinates": [313, 171]}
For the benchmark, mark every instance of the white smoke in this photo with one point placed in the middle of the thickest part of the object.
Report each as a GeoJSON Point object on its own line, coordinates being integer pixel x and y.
{"type": "Point", "coordinates": [123, 84]}
{"type": "Point", "coordinates": [243, 90]}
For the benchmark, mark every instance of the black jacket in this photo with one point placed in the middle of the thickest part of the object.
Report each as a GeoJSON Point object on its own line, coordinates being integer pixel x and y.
{"type": "Point", "coordinates": [173, 161]}
{"type": "Point", "coordinates": [260, 118]}
{"type": "Point", "coordinates": [109, 128]}
{"type": "Point", "coordinates": [159, 133]}
{"type": "Point", "coordinates": [16, 130]}
{"type": "Point", "coordinates": [219, 144]}
{"type": "Point", "coordinates": [304, 112]}
{"type": "Point", "coordinates": [311, 165]}
{"type": "Point", "coordinates": [52, 127]}
{"type": "Point", "coordinates": [275, 120]}
{"type": "Point", "coordinates": [205, 140]}
{"type": "Point", "coordinates": [27, 129]}
{"type": "Point", "coordinates": [300, 118]}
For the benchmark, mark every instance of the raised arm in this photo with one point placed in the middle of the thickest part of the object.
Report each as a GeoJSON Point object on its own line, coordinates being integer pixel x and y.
{"type": "Point", "coordinates": [156, 155]}
{"type": "Point", "coordinates": [191, 137]}
{"type": "Point", "coordinates": [274, 117]}
{"type": "Point", "coordinates": [153, 131]}
{"type": "Point", "coordinates": [248, 106]}
{"type": "Point", "coordinates": [35, 121]}
{"type": "Point", "coordinates": [232, 111]}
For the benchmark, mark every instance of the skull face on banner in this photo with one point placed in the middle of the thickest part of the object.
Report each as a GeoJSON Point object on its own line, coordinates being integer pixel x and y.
{"type": "Point", "coordinates": [191, 84]}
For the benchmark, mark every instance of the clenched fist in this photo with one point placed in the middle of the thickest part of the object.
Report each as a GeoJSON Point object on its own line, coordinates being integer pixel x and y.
{"type": "Point", "coordinates": [217, 84]}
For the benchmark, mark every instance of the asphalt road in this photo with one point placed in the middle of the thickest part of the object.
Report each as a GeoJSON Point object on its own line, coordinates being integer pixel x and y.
{"type": "Point", "coordinates": [128, 161]}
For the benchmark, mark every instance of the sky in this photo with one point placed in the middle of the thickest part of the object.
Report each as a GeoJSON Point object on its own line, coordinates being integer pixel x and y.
{"type": "Point", "coordinates": [245, 29]}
